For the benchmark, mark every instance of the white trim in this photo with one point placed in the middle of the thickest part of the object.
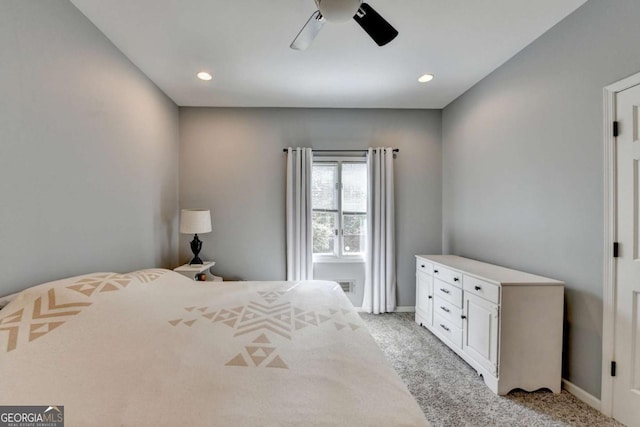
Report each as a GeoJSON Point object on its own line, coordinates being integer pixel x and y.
{"type": "Point", "coordinates": [406, 309]}
{"type": "Point", "coordinates": [348, 159]}
{"type": "Point", "coordinates": [610, 231]}
{"type": "Point", "coordinates": [608, 297]}
{"type": "Point", "coordinates": [581, 395]}
{"type": "Point", "coordinates": [332, 259]}
{"type": "Point", "coordinates": [399, 309]}
{"type": "Point", "coordinates": [338, 240]}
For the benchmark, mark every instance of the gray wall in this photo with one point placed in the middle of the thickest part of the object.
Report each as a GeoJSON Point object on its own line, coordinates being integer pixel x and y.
{"type": "Point", "coordinates": [231, 162]}
{"type": "Point", "coordinates": [523, 165]}
{"type": "Point", "coordinates": [88, 148]}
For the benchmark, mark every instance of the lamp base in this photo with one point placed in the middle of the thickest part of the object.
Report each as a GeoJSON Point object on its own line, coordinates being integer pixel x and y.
{"type": "Point", "coordinates": [196, 260]}
{"type": "Point", "coordinates": [196, 247]}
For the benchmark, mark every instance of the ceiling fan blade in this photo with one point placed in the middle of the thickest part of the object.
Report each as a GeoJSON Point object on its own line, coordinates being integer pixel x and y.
{"type": "Point", "coordinates": [309, 32]}
{"type": "Point", "coordinates": [375, 25]}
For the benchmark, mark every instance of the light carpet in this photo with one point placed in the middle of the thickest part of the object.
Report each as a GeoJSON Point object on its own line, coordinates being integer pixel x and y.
{"type": "Point", "coordinates": [451, 393]}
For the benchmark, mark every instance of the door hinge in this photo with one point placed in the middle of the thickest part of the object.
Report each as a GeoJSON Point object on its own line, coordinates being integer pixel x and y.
{"type": "Point", "coordinates": [613, 368]}
{"type": "Point", "coordinates": [615, 129]}
{"type": "Point", "coordinates": [616, 247]}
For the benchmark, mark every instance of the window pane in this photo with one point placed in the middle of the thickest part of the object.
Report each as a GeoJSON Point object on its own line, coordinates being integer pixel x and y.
{"type": "Point", "coordinates": [324, 225]}
{"type": "Point", "coordinates": [354, 194]}
{"type": "Point", "coordinates": [323, 186]}
{"type": "Point", "coordinates": [355, 227]}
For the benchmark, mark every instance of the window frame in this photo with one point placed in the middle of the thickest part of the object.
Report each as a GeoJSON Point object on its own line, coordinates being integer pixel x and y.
{"type": "Point", "coordinates": [338, 255]}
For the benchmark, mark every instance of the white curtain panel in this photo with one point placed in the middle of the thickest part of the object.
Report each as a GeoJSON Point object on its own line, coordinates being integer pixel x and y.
{"type": "Point", "coordinates": [299, 237]}
{"type": "Point", "coordinates": [380, 278]}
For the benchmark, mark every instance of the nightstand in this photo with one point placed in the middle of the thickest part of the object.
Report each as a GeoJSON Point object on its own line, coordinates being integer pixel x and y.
{"type": "Point", "coordinates": [191, 271]}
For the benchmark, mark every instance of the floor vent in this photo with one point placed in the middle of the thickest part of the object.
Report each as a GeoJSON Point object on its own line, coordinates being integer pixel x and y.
{"type": "Point", "coordinates": [348, 286]}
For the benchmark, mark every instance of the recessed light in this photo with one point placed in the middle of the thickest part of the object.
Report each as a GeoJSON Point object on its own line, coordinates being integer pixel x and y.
{"type": "Point", "coordinates": [425, 78]}
{"type": "Point", "coordinates": [203, 75]}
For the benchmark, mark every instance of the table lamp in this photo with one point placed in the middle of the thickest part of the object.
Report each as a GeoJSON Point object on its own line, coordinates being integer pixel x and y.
{"type": "Point", "coordinates": [195, 221]}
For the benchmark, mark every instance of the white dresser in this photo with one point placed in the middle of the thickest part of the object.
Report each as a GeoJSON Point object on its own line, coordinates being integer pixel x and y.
{"type": "Point", "coordinates": [505, 323]}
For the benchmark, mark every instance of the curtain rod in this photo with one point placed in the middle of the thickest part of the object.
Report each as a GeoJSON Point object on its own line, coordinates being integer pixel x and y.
{"type": "Point", "coordinates": [395, 150]}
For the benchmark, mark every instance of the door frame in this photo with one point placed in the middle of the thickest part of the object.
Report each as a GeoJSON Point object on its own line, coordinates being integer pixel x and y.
{"type": "Point", "coordinates": [610, 227]}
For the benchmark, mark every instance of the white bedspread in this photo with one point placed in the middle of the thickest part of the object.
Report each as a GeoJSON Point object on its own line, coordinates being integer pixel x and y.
{"type": "Point", "coordinates": [152, 348]}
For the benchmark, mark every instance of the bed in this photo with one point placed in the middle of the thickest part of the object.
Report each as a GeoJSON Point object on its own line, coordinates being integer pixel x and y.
{"type": "Point", "coordinates": [155, 348]}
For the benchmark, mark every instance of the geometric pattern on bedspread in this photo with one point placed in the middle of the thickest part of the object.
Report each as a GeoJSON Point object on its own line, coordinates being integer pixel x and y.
{"type": "Point", "coordinates": [108, 282]}
{"type": "Point", "coordinates": [53, 310]}
{"type": "Point", "coordinates": [267, 317]}
{"type": "Point", "coordinates": [148, 275]}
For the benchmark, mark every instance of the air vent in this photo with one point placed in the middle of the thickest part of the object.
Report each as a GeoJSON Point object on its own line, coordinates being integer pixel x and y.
{"type": "Point", "coordinates": [348, 286]}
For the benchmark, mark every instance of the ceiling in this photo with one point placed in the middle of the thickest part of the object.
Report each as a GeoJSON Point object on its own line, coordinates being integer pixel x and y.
{"type": "Point", "coordinates": [245, 45]}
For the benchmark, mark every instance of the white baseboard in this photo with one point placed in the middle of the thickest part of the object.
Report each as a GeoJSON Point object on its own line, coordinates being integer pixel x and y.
{"type": "Point", "coordinates": [581, 395]}
{"type": "Point", "coordinates": [400, 309]}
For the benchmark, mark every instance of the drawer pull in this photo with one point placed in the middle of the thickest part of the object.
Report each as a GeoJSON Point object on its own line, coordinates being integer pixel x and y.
{"type": "Point", "coordinates": [435, 271]}
{"type": "Point", "coordinates": [430, 297]}
{"type": "Point", "coordinates": [422, 266]}
{"type": "Point", "coordinates": [463, 317]}
{"type": "Point", "coordinates": [444, 327]}
{"type": "Point", "coordinates": [445, 309]}
{"type": "Point", "coordinates": [446, 291]}
{"type": "Point", "coordinates": [456, 279]}
{"type": "Point", "coordinates": [478, 288]}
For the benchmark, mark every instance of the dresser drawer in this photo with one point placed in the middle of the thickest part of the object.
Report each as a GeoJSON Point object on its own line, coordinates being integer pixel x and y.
{"type": "Point", "coordinates": [447, 292]}
{"type": "Point", "coordinates": [450, 276]}
{"type": "Point", "coordinates": [448, 311]}
{"type": "Point", "coordinates": [424, 266]}
{"type": "Point", "coordinates": [448, 330]}
{"type": "Point", "coordinates": [483, 289]}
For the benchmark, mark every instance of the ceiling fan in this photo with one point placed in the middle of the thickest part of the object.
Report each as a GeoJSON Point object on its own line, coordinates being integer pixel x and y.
{"type": "Point", "coordinates": [341, 11]}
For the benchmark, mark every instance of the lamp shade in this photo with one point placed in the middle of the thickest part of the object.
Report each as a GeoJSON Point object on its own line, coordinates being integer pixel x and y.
{"type": "Point", "coordinates": [195, 221]}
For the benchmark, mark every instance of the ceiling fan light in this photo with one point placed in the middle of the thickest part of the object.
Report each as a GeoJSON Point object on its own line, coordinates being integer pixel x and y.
{"type": "Point", "coordinates": [338, 10]}
{"type": "Point", "coordinates": [425, 78]}
{"type": "Point", "coordinates": [203, 75]}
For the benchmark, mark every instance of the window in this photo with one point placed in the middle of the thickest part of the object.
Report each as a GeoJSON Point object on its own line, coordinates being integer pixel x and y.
{"type": "Point", "coordinates": [339, 204]}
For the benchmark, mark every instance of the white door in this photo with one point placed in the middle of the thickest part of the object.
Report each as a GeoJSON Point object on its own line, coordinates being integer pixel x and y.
{"type": "Point", "coordinates": [480, 331]}
{"type": "Point", "coordinates": [626, 383]}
